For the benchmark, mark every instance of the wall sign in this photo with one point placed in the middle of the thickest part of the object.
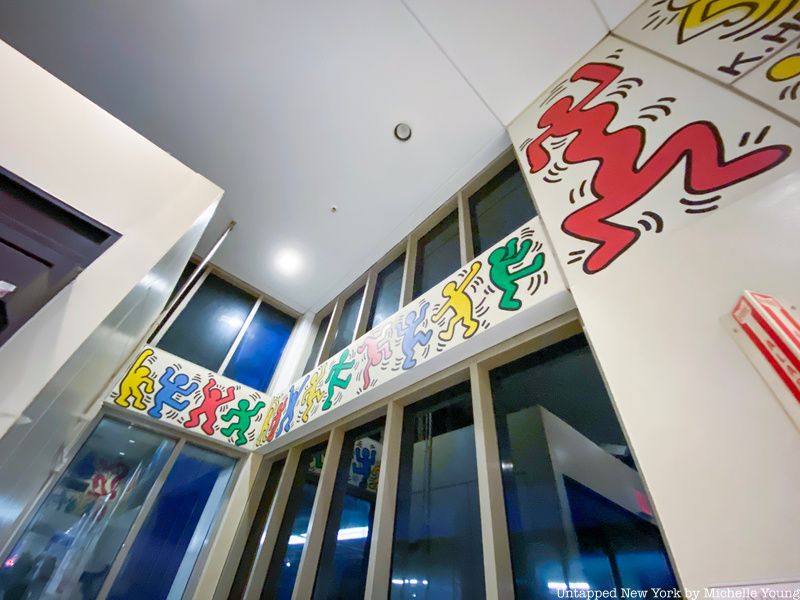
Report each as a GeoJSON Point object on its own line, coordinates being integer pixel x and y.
{"type": "Point", "coordinates": [769, 334]}
{"type": "Point", "coordinates": [512, 276]}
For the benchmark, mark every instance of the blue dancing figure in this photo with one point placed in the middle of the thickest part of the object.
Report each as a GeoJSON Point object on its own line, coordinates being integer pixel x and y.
{"type": "Point", "coordinates": [288, 416]}
{"type": "Point", "coordinates": [365, 458]}
{"type": "Point", "coordinates": [412, 337]}
{"type": "Point", "coordinates": [170, 386]}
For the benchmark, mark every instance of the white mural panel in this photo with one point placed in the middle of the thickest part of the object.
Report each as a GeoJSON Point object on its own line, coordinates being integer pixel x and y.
{"type": "Point", "coordinates": [724, 39]}
{"type": "Point", "coordinates": [516, 274]}
{"type": "Point", "coordinates": [776, 81]}
{"type": "Point", "coordinates": [628, 147]}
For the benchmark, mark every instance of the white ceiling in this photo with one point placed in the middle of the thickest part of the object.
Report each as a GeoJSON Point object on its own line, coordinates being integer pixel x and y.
{"type": "Point", "coordinates": [290, 107]}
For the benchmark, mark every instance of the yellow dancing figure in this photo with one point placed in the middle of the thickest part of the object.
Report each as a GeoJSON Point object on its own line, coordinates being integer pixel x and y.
{"type": "Point", "coordinates": [138, 376]}
{"type": "Point", "coordinates": [461, 305]}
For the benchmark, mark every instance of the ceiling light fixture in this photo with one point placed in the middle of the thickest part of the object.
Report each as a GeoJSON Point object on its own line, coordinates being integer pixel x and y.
{"type": "Point", "coordinates": [288, 262]}
{"type": "Point", "coordinates": [402, 131]}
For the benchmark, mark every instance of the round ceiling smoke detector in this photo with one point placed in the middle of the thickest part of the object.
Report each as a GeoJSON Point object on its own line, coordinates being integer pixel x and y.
{"type": "Point", "coordinates": [402, 131]}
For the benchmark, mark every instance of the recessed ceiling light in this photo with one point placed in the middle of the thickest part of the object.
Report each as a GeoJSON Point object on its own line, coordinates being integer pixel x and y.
{"type": "Point", "coordinates": [288, 262]}
{"type": "Point", "coordinates": [402, 131]}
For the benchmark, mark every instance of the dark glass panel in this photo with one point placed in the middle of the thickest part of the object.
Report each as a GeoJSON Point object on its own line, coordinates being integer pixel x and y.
{"type": "Point", "coordinates": [313, 358]}
{"type": "Point", "coordinates": [347, 322]}
{"type": "Point", "coordinates": [438, 254]}
{"type": "Point", "coordinates": [386, 299]}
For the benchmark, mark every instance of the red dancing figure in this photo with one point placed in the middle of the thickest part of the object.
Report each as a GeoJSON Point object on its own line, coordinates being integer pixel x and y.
{"type": "Point", "coordinates": [376, 349]}
{"type": "Point", "coordinates": [212, 400]}
{"type": "Point", "coordinates": [623, 176]}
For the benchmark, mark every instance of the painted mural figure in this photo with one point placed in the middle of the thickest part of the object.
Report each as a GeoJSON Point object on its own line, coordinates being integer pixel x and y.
{"type": "Point", "coordinates": [334, 380]}
{"type": "Point", "coordinates": [137, 377]}
{"type": "Point", "coordinates": [275, 421]}
{"type": "Point", "coordinates": [171, 384]}
{"type": "Point", "coordinates": [457, 300]}
{"type": "Point", "coordinates": [502, 259]}
{"type": "Point", "coordinates": [288, 416]}
{"type": "Point", "coordinates": [364, 459]}
{"type": "Point", "coordinates": [407, 330]}
{"type": "Point", "coordinates": [244, 416]}
{"type": "Point", "coordinates": [376, 349]}
{"type": "Point", "coordinates": [623, 176]}
{"type": "Point", "coordinates": [212, 400]}
{"type": "Point", "coordinates": [313, 393]}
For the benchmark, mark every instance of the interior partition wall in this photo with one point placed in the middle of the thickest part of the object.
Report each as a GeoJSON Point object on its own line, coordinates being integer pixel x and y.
{"type": "Point", "coordinates": [507, 475]}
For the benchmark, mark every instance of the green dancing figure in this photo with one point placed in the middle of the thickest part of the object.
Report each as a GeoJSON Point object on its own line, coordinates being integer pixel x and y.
{"type": "Point", "coordinates": [333, 380]}
{"type": "Point", "coordinates": [243, 423]}
{"type": "Point", "coordinates": [501, 260]}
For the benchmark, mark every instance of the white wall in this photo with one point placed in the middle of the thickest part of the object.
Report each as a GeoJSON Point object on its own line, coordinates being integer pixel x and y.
{"type": "Point", "coordinates": [718, 454]}
{"type": "Point", "coordinates": [64, 144]}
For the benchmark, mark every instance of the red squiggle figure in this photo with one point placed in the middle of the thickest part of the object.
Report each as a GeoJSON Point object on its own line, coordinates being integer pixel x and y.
{"type": "Point", "coordinates": [212, 400]}
{"type": "Point", "coordinates": [376, 349]}
{"type": "Point", "coordinates": [619, 181]}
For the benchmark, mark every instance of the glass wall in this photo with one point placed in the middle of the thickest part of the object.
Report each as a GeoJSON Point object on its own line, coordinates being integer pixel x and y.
{"type": "Point", "coordinates": [285, 561]}
{"type": "Point", "coordinates": [342, 568]}
{"type": "Point", "coordinates": [386, 298]}
{"type": "Point", "coordinates": [313, 358]}
{"type": "Point", "coordinates": [437, 538]}
{"type": "Point", "coordinates": [346, 328]}
{"type": "Point", "coordinates": [206, 328]}
{"type": "Point", "coordinates": [499, 207]}
{"type": "Point", "coordinates": [438, 254]}
{"type": "Point", "coordinates": [579, 523]}
{"type": "Point", "coordinates": [257, 355]}
{"type": "Point", "coordinates": [68, 548]}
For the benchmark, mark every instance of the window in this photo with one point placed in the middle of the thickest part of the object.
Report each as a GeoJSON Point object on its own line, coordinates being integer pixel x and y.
{"type": "Point", "coordinates": [499, 207]}
{"type": "Point", "coordinates": [182, 279]}
{"type": "Point", "coordinates": [257, 355]}
{"type": "Point", "coordinates": [438, 254]}
{"type": "Point", "coordinates": [386, 298]}
{"type": "Point", "coordinates": [256, 531]}
{"type": "Point", "coordinates": [44, 245]}
{"type": "Point", "coordinates": [294, 527]}
{"type": "Point", "coordinates": [341, 571]}
{"type": "Point", "coordinates": [176, 528]}
{"type": "Point", "coordinates": [346, 328]}
{"type": "Point", "coordinates": [206, 328]}
{"type": "Point", "coordinates": [437, 538]}
{"type": "Point", "coordinates": [75, 539]}
{"type": "Point", "coordinates": [313, 358]}
{"type": "Point", "coordinates": [553, 404]}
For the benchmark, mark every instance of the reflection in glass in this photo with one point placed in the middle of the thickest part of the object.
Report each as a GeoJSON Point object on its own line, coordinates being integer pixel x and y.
{"type": "Point", "coordinates": [176, 528]}
{"type": "Point", "coordinates": [342, 570]}
{"type": "Point", "coordinates": [577, 512]}
{"type": "Point", "coordinates": [313, 358]}
{"type": "Point", "coordinates": [257, 355]}
{"type": "Point", "coordinates": [499, 207]}
{"type": "Point", "coordinates": [256, 531]}
{"type": "Point", "coordinates": [437, 539]}
{"type": "Point", "coordinates": [386, 299]}
{"type": "Point", "coordinates": [347, 322]}
{"type": "Point", "coordinates": [205, 329]}
{"type": "Point", "coordinates": [285, 561]}
{"type": "Point", "coordinates": [438, 254]}
{"type": "Point", "coordinates": [67, 549]}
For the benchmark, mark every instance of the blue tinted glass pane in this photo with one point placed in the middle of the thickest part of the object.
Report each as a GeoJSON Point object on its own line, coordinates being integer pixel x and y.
{"type": "Point", "coordinates": [314, 356]}
{"type": "Point", "coordinates": [67, 549]}
{"type": "Point", "coordinates": [437, 549]}
{"type": "Point", "coordinates": [438, 255]}
{"type": "Point", "coordinates": [386, 299]}
{"type": "Point", "coordinates": [204, 331]}
{"type": "Point", "coordinates": [292, 536]}
{"type": "Point", "coordinates": [342, 569]}
{"type": "Point", "coordinates": [499, 207]}
{"type": "Point", "coordinates": [163, 555]}
{"type": "Point", "coordinates": [553, 404]}
{"type": "Point", "coordinates": [347, 322]}
{"type": "Point", "coordinates": [261, 347]}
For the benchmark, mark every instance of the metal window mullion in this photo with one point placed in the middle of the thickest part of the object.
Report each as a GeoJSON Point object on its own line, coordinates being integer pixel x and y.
{"type": "Point", "coordinates": [407, 288]}
{"type": "Point", "coordinates": [239, 336]}
{"type": "Point", "coordinates": [139, 521]}
{"type": "Point", "coordinates": [366, 303]}
{"type": "Point", "coordinates": [318, 520]}
{"type": "Point", "coordinates": [164, 327]}
{"type": "Point", "coordinates": [498, 574]}
{"type": "Point", "coordinates": [333, 325]}
{"type": "Point", "coordinates": [380, 552]}
{"type": "Point", "coordinates": [464, 229]}
{"type": "Point", "coordinates": [258, 572]}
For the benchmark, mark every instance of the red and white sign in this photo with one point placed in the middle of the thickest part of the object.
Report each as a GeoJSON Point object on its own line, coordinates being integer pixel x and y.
{"type": "Point", "coordinates": [772, 342]}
